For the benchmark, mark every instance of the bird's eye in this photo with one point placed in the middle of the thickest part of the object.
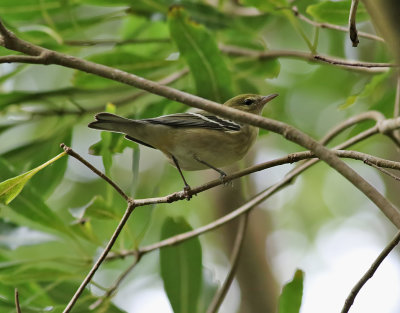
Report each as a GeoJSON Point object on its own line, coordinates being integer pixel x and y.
{"type": "Point", "coordinates": [248, 101]}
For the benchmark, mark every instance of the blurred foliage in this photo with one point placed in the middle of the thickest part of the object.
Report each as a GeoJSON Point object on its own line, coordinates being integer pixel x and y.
{"type": "Point", "coordinates": [65, 214]}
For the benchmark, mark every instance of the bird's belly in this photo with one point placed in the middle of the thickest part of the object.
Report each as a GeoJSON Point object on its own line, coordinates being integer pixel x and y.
{"type": "Point", "coordinates": [218, 153]}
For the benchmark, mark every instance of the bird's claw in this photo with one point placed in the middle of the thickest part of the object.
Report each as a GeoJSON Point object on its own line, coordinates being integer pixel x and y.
{"type": "Point", "coordinates": [224, 181]}
{"type": "Point", "coordinates": [186, 192]}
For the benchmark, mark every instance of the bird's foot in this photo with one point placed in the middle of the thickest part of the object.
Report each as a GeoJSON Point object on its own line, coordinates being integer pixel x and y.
{"type": "Point", "coordinates": [225, 182]}
{"type": "Point", "coordinates": [186, 192]}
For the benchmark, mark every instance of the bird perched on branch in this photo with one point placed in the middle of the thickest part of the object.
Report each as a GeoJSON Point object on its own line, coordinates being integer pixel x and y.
{"type": "Point", "coordinates": [192, 141]}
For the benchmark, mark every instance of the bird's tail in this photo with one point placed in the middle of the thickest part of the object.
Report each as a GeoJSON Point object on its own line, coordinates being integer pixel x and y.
{"type": "Point", "coordinates": [110, 122]}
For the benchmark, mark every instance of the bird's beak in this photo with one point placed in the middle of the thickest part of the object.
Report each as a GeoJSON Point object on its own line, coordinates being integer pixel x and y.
{"type": "Point", "coordinates": [268, 98]}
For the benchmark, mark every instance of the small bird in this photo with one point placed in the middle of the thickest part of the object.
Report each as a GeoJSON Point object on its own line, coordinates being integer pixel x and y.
{"type": "Point", "coordinates": [192, 141]}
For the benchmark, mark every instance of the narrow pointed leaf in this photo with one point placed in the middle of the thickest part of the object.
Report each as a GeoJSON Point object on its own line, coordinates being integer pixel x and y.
{"type": "Point", "coordinates": [199, 48]}
{"type": "Point", "coordinates": [181, 268]}
{"type": "Point", "coordinates": [10, 188]}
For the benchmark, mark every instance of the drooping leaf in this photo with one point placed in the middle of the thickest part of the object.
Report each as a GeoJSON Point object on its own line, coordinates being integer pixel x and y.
{"type": "Point", "coordinates": [11, 187]}
{"type": "Point", "coordinates": [336, 12]}
{"type": "Point", "coordinates": [292, 294]}
{"type": "Point", "coordinates": [181, 268]}
{"type": "Point", "coordinates": [199, 48]}
{"type": "Point", "coordinates": [30, 205]}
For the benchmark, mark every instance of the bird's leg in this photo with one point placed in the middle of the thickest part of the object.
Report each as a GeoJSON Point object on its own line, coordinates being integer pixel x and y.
{"type": "Point", "coordinates": [186, 189]}
{"type": "Point", "coordinates": [221, 172]}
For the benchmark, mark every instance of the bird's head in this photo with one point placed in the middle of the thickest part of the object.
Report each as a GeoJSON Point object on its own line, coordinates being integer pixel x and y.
{"type": "Point", "coordinates": [249, 102]}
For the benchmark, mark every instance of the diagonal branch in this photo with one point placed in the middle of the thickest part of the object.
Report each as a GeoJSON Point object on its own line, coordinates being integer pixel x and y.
{"type": "Point", "coordinates": [221, 293]}
{"type": "Point", "coordinates": [371, 271]}
{"type": "Point", "coordinates": [287, 131]}
{"type": "Point", "coordinates": [102, 257]}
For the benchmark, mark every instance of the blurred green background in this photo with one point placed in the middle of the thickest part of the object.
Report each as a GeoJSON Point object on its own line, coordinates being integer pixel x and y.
{"type": "Point", "coordinates": [52, 232]}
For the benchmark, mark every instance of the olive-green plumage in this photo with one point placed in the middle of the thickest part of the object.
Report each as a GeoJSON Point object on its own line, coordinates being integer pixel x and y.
{"type": "Point", "coordinates": [194, 140]}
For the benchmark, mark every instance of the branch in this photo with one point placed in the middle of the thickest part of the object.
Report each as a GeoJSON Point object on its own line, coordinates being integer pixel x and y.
{"type": "Point", "coordinates": [72, 153]}
{"type": "Point", "coordinates": [371, 271]}
{"type": "Point", "coordinates": [255, 200]}
{"type": "Point", "coordinates": [352, 23]}
{"type": "Point", "coordinates": [287, 131]}
{"type": "Point", "coordinates": [102, 257]}
{"type": "Point", "coordinates": [220, 295]}
{"type": "Point", "coordinates": [369, 115]}
{"type": "Point", "coordinates": [110, 292]}
{"type": "Point", "coordinates": [333, 26]}
{"type": "Point", "coordinates": [382, 170]}
{"type": "Point", "coordinates": [16, 297]}
{"type": "Point", "coordinates": [308, 56]}
{"type": "Point", "coordinates": [270, 191]}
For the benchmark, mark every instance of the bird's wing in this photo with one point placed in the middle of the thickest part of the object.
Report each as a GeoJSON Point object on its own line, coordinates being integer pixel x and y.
{"type": "Point", "coordinates": [195, 120]}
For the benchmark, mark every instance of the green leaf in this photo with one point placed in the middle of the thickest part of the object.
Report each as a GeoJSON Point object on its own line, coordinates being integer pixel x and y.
{"type": "Point", "coordinates": [199, 48]}
{"type": "Point", "coordinates": [292, 293]}
{"type": "Point", "coordinates": [376, 88]}
{"type": "Point", "coordinates": [181, 268]}
{"type": "Point", "coordinates": [10, 188]}
{"type": "Point", "coordinates": [336, 12]}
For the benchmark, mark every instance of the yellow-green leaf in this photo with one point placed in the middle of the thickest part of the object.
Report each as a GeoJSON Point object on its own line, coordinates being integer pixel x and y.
{"type": "Point", "coordinates": [10, 188]}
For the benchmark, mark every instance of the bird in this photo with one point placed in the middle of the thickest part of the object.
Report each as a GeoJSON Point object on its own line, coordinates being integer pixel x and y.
{"type": "Point", "coordinates": [192, 141]}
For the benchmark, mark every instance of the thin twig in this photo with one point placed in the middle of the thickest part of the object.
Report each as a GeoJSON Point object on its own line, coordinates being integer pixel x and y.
{"type": "Point", "coordinates": [371, 271]}
{"type": "Point", "coordinates": [102, 257]}
{"type": "Point", "coordinates": [367, 161]}
{"type": "Point", "coordinates": [220, 295]}
{"type": "Point", "coordinates": [353, 63]}
{"type": "Point", "coordinates": [369, 115]}
{"type": "Point", "coordinates": [251, 203]}
{"type": "Point", "coordinates": [225, 219]}
{"type": "Point", "coordinates": [72, 153]}
{"type": "Point", "coordinates": [333, 26]}
{"type": "Point", "coordinates": [16, 297]}
{"type": "Point", "coordinates": [352, 23]}
{"type": "Point", "coordinates": [308, 56]}
{"type": "Point", "coordinates": [110, 292]}
{"type": "Point", "coordinates": [287, 131]}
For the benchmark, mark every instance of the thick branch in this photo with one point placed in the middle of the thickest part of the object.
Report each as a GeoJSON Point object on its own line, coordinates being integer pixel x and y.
{"type": "Point", "coordinates": [289, 132]}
